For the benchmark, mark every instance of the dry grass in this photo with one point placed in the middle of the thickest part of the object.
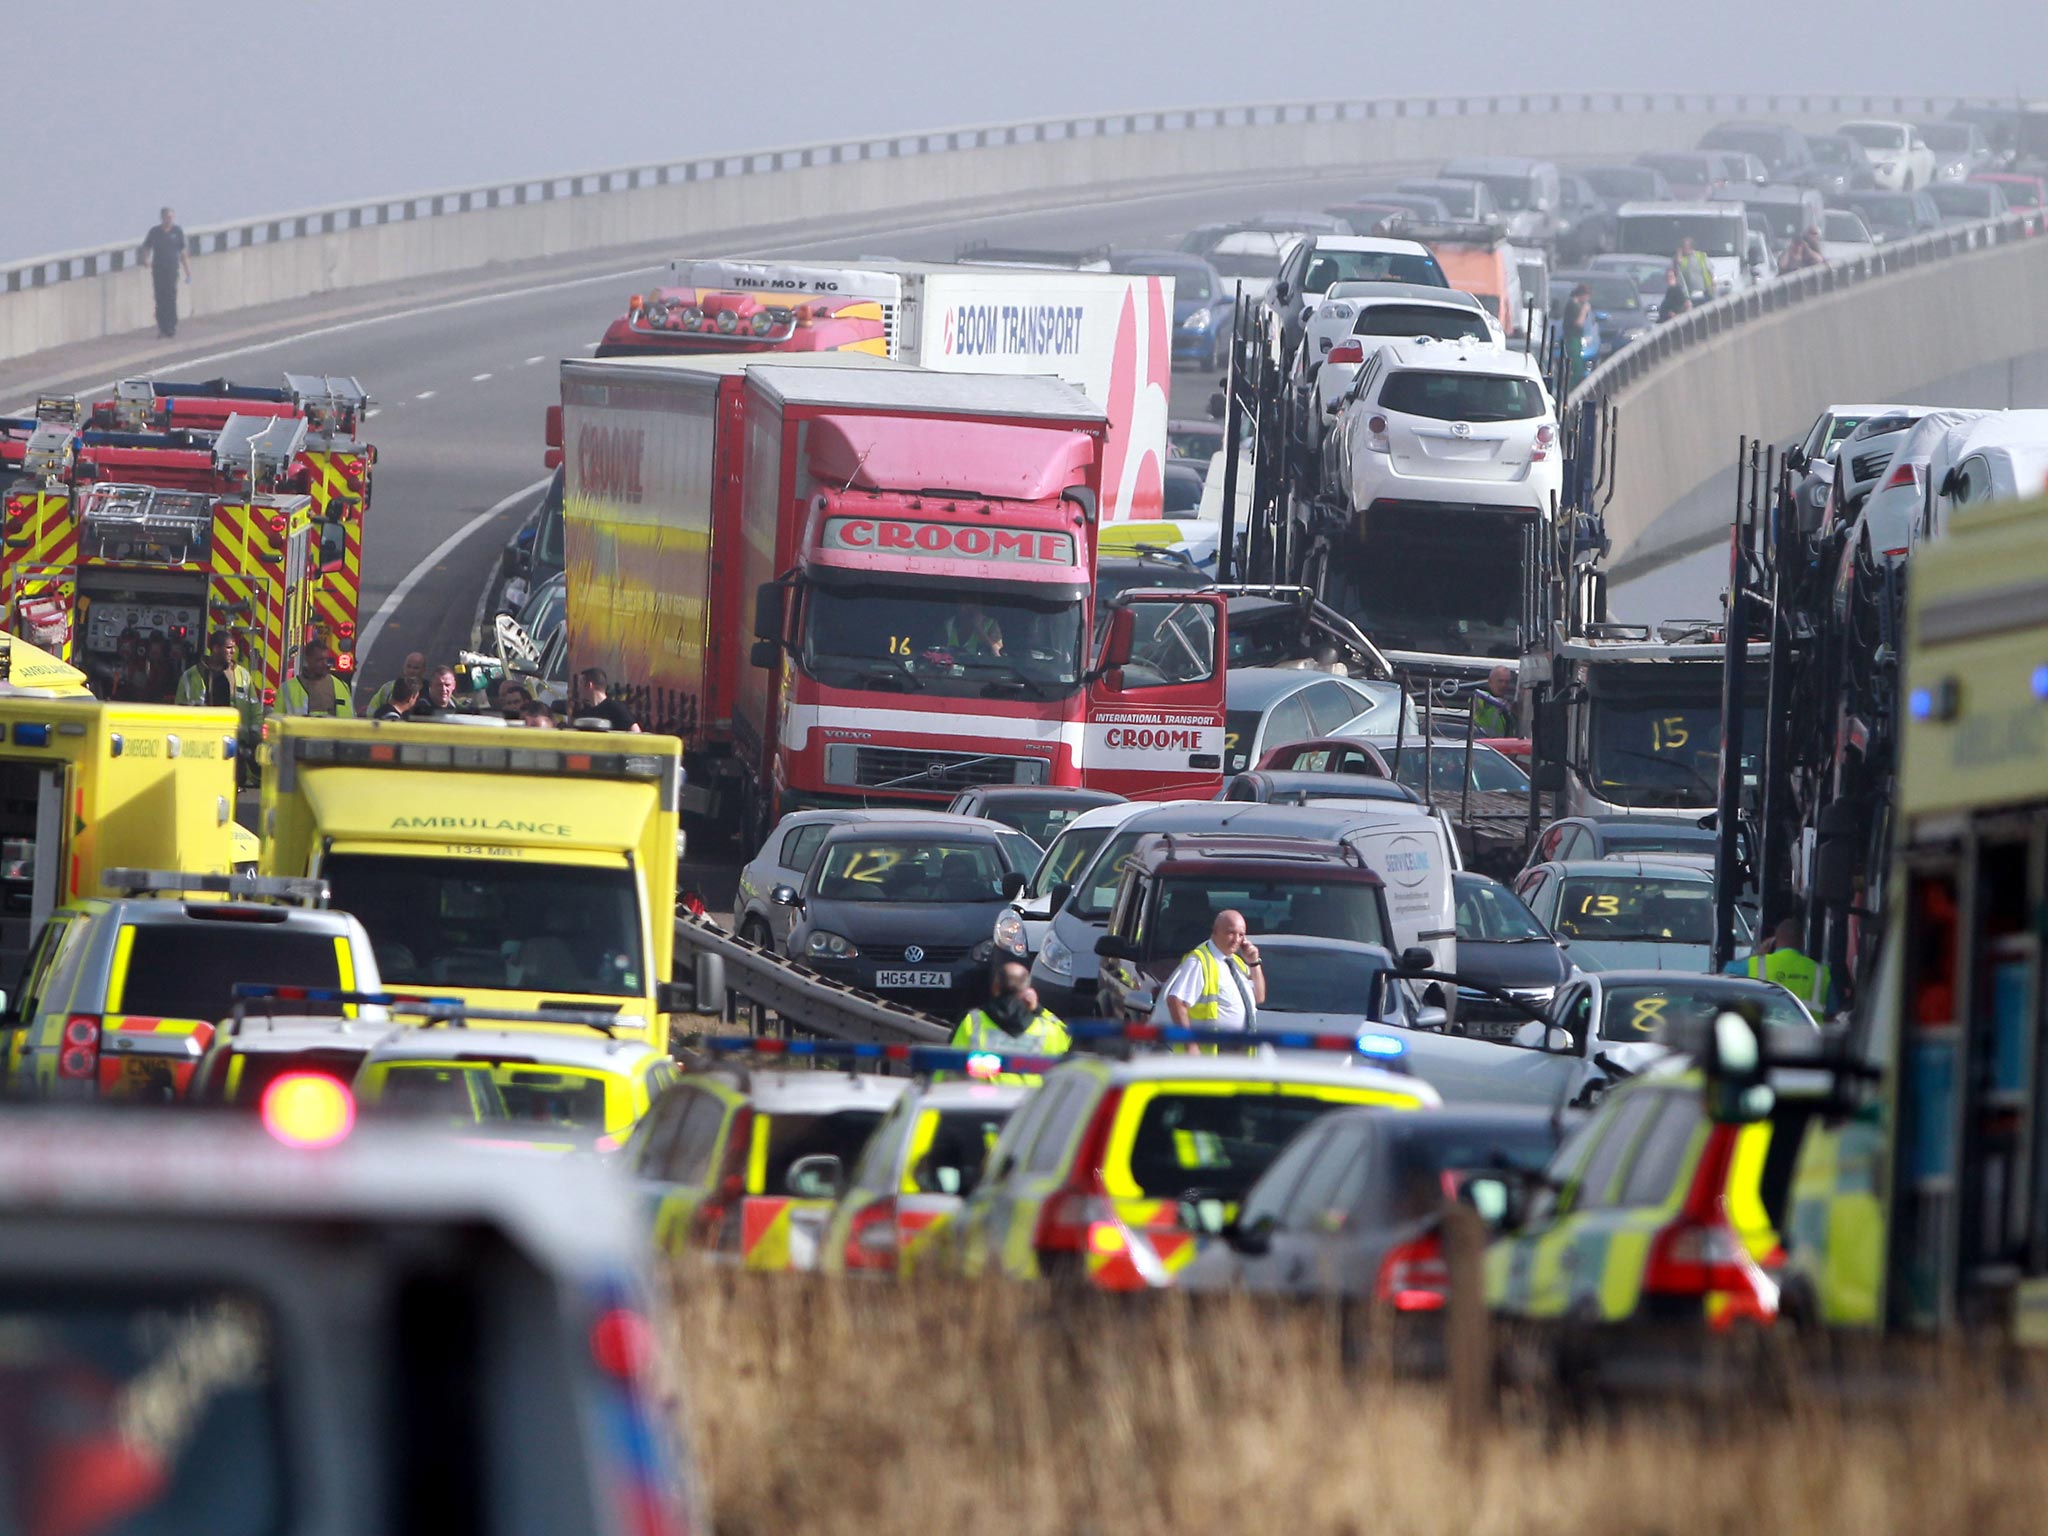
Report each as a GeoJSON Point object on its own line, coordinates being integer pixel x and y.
{"type": "Point", "coordinates": [820, 1409]}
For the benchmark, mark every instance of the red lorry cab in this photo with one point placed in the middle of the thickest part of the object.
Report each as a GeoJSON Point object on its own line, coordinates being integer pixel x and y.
{"type": "Point", "coordinates": [912, 553]}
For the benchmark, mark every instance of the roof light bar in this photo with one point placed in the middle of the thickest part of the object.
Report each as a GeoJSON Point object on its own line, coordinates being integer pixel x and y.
{"type": "Point", "coordinates": [456, 1013]}
{"type": "Point", "coordinates": [301, 889]}
{"type": "Point", "coordinates": [1383, 1049]}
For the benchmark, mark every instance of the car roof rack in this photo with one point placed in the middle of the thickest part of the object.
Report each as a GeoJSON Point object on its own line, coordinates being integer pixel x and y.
{"type": "Point", "coordinates": [302, 890]}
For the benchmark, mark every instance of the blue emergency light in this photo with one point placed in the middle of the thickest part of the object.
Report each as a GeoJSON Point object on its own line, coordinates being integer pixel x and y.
{"type": "Point", "coordinates": [31, 735]}
{"type": "Point", "coordinates": [252, 991]}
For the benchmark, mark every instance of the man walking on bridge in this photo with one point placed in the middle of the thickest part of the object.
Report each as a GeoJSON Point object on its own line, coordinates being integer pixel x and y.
{"type": "Point", "coordinates": [163, 252]}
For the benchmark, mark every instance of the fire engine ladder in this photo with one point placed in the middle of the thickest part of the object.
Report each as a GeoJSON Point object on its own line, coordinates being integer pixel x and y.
{"type": "Point", "coordinates": [262, 448]}
{"type": "Point", "coordinates": [332, 407]}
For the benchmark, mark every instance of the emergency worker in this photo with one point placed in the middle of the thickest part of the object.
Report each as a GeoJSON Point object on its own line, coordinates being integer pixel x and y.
{"type": "Point", "coordinates": [1694, 271]}
{"type": "Point", "coordinates": [415, 668]}
{"type": "Point", "coordinates": [222, 681]}
{"type": "Point", "coordinates": [404, 697]}
{"type": "Point", "coordinates": [1779, 959]}
{"type": "Point", "coordinates": [438, 698]}
{"type": "Point", "coordinates": [1012, 1024]}
{"type": "Point", "coordinates": [1220, 983]}
{"type": "Point", "coordinates": [316, 690]}
{"type": "Point", "coordinates": [1493, 707]}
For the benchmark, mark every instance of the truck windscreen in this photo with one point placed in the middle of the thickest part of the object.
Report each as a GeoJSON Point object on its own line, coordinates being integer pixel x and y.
{"type": "Point", "coordinates": [1666, 752]}
{"type": "Point", "coordinates": [968, 643]}
{"type": "Point", "coordinates": [525, 927]}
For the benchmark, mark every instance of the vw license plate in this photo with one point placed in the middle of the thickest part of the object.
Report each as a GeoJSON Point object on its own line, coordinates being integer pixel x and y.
{"type": "Point", "coordinates": [913, 978]}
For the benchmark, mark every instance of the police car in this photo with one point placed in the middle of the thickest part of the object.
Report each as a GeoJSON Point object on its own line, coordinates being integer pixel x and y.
{"type": "Point", "coordinates": [1087, 1181]}
{"type": "Point", "coordinates": [914, 1174]}
{"type": "Point", "coordinates": [728, 1161]}
{"type": "Point", "coordinates": [590, 1087]}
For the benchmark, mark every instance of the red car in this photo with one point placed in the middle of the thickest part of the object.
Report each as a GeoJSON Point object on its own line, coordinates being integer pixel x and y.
{"type": "Point", "coordinates": [2020, 191]}
{"type": "Point", "coordinates": [1326, 754]}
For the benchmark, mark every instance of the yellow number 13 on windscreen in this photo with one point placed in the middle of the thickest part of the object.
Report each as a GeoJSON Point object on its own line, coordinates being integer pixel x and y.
{"type": "Point", "coordinates": [1600, 906]}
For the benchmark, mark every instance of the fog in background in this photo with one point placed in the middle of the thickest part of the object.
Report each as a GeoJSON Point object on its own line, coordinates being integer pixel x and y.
{"type": "Point", "coordinates": [229, 108]}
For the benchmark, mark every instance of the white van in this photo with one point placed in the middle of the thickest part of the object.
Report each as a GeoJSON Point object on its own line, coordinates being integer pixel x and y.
{"type": "Point", "coordinates": [1414, 853]}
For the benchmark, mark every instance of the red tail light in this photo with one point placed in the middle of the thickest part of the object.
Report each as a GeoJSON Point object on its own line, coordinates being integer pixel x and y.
{"type": "Point", "coordinates": [1414, 1277]}
{"type": "Point", "coordinates": [1064, 1222]}
{"type": "Point", "coordinates": [718, 1218]}
{"type": "Point", "coordinates": [1701, 1252]}
{"type": "Point", "coordinates": [346, 630]}
{"type": "Point", "coordinates": [78, 1059]}
{"type": "Point", "coordinates": [1546, 439]}
{"type": "Point", "coordinates": [277, 522]}
{"type": "Point", "coordinates": [871, 1237]}
{"type": "Point", "coordinates": [621, 1344]}
{"type": "Point", "coordinates": [1346, 352]}
{"type": "Point", "coordinates": [1901, 475]}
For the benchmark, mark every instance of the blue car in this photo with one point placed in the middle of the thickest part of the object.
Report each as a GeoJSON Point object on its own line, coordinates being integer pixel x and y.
{"type": "Point", "coordinates": [1204, 307]}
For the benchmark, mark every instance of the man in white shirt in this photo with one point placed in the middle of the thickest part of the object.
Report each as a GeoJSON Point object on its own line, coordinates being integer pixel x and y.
{"type": "Point", "coordinates": [1220, 984]}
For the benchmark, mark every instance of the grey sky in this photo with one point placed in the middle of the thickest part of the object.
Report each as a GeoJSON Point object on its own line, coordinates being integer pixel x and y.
{"type": "Point", "coordinates": [228, 108]}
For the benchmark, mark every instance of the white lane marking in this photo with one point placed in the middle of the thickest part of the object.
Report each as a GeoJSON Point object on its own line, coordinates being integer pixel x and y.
{"type": "Point", "coordinates": [536, 359]}
{"type": "Point", "coordinates": [882, 231]}
{"type": "Point", "coordinates": [372, 411]}
{"type": "Point", "coordinates": [340, 327]}
{"type": "Point", "coordinates": [441, 551]}
{"type": "Point", "coordinates": [478, 378]}
{"type": "Point", "coordinates": [425, 394]}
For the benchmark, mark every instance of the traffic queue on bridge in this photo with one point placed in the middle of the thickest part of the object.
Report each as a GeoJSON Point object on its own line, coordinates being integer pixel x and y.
{"type": "Point", "coordinates": [1239, 902]}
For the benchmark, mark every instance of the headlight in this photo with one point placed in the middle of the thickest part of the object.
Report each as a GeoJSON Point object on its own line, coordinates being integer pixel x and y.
{"type": "Point", "coordinates": [1010, 932]}
{"type": "Point", "coordinates": [1198, 321]}
{"type": "Point", "coordinates": [1056, 957]}
{"type": "Point", "coordinates": [830, 946]}
{"type": "Point", "coordinates": [1954, 172]}
{"type": "Point", "coordinates": [1885, 167]}
{"type": "Point", "coordinates": [983, 951]}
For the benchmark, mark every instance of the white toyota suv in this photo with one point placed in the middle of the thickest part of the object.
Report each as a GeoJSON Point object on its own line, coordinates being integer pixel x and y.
{"type": "Point", "coordinates": [1357, 318]}
{"type": "Point", "coordinates": [1446, 421]}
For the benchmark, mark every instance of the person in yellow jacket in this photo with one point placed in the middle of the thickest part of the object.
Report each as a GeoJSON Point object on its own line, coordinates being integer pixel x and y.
{"type": "Point", "coordinates": [1695, 271]}
{"type": "Point", "coordinates": [1221, 983]}
{"type": "Point", "coordinates": [1779, 959]}
{"type": "Point", "coordinates": [221, 680]}
{"type": "Point", "coordinates": [316, 690]}
{"type": "Point", "coordinates": [1012, 1024]}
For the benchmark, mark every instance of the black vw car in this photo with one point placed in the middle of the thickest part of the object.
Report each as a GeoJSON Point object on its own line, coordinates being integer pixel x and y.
{"type": "Point", "coordinates": [906, 908]}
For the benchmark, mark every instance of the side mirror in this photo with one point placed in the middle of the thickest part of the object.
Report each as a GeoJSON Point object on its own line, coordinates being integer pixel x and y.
{"type": "Point", "coordinates": [1253, 1241]}
{"type": "Point", "coordinates": [1013, 884]}
{"type": "Point", "coordinates": [1280, 291]}
{"type": "Point", "coordinates": [1060, 893]}
{"type": "Point", "coordinates": [821, 1176]}
{"type": "Point", "coordinates": [786, 896]}
{"type": "Point", "coordinates": [1948, 484]}
{"type": "Point", "coordinates": [764, 653]}
{"type": "Point", "coordinates": [1112, 947]}
{"type": "Point", "coordinates": [1204, 1214]}
{"type": "Point", "coordinates": [1736, 1093]}
{"type": "Point", "coordinates": [703, 992]}
{"type": "Point", "coordinates": [935, 1177]}
{"type": "Point", "coordinates": [1416, 958]}
{"type": "Point", "coordinates": [1116, 644]}
{"type": "Point", "coordinates": [770, 602]}
{"type": "Point", "coordinates": [1437, 1019]}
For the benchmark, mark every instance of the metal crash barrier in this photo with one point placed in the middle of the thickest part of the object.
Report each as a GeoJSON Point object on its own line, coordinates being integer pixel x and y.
{"type": "Point", "coordinates": [724, 967]}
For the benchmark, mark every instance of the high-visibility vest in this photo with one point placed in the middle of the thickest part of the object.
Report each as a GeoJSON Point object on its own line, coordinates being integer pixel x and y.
{"type": "Point", "coordinates": [242, 695]}
{"type": "Point", "coordinates": [981, 635]}
{"type": "Point", "coordinates": [1490, 716]}
{"type": "Point", "coordinates": [1805, 979]}
{"type": "Point", "coordinates": [1045, 1035]}
{"type": "Point", "coordinates": [295, 699]}
{"type": "Point", "coordinates": [1204, 1009]}
{"type": "Point", "coordinates": [1697, 265]}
